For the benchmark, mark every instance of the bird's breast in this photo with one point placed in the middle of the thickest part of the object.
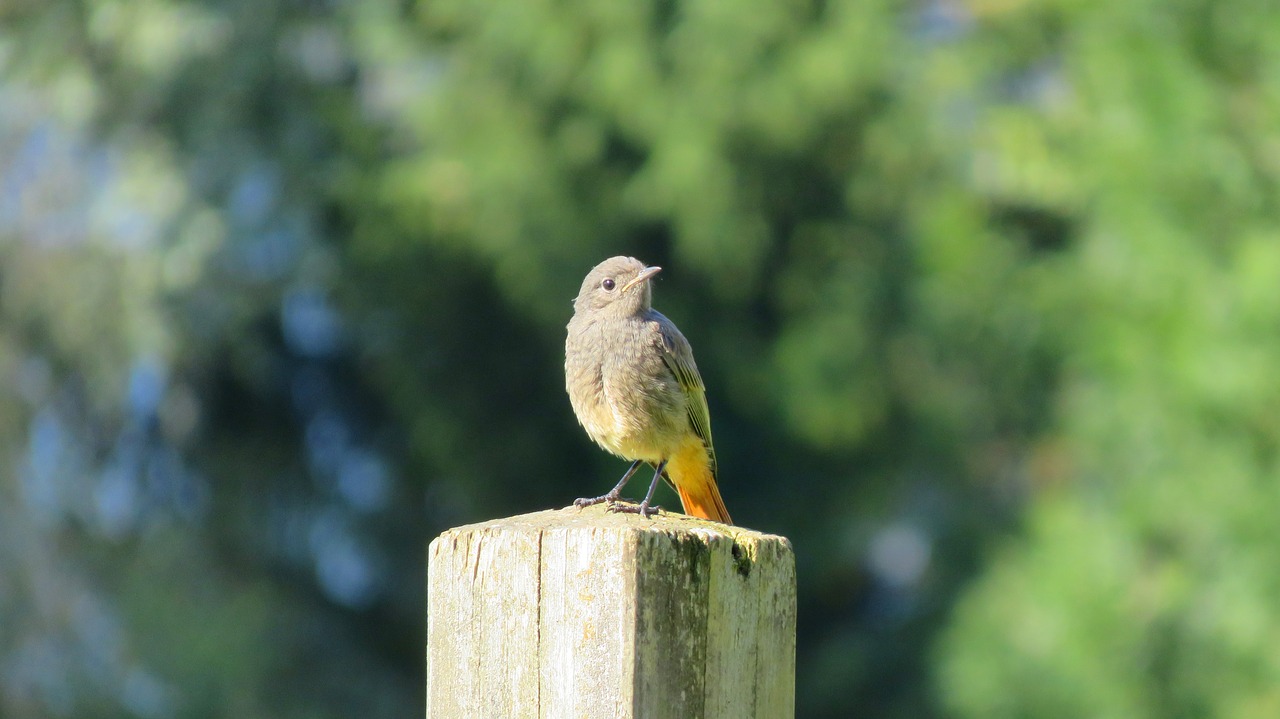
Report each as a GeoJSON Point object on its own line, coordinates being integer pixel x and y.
{"type": "Point", "coordinates": [622, 392]}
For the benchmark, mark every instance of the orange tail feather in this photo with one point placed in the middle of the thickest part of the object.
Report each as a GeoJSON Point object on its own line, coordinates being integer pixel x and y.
{"type": "Point", "coordinates": [690, 472]}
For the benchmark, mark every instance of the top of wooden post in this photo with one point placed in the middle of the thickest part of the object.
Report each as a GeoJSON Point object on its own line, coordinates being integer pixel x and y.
{"type": "Point", "coordinates": [600, 517]}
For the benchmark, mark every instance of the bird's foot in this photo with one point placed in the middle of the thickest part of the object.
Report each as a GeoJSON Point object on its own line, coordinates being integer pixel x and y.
{"type": "Point", "coordinates": [644, 509]}
{"type": "Point", "coordinates": [611, 498]}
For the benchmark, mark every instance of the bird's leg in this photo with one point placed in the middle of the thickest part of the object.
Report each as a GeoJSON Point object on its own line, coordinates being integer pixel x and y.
{"type": "Point", "coordinates": [613, 494]}
{"type": "Point", "coordinates": [644, 509]}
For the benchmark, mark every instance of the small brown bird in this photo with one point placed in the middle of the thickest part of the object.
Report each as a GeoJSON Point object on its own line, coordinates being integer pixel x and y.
{"type": "Point", "coordinates": [635, 388]}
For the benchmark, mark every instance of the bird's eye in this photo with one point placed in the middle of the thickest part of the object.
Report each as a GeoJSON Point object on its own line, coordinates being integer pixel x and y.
{"type": "Point", "coordinates": [608, 284]}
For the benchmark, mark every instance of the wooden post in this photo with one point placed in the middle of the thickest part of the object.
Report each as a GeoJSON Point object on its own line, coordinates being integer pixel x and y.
{"type": "Point", "coordinates": [590, 613]}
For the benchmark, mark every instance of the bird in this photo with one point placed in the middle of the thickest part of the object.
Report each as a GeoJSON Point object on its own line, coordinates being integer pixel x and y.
{"type": "Point", "coordinates": [635, 389]}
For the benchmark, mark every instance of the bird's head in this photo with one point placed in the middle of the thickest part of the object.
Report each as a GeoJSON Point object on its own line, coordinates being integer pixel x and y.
{"type": "Point", "coordinates": [619, 286]}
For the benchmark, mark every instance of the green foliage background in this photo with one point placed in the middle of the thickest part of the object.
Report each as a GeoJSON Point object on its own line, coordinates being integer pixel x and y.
{"type": "Point", "coordinates": [986, 294]}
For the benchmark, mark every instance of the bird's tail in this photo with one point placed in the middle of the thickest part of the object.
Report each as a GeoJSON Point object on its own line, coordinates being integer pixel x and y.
{"type": "Point", "coordinates": [691, 472]}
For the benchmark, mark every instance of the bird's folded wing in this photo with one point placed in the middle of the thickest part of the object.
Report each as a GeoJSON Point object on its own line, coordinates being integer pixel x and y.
{"type": "Point", "coordinates": [678, 357]}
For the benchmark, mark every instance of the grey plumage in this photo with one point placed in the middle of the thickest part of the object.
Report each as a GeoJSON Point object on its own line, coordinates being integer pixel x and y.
{"type": "Point", "coordinates": [632, 380]}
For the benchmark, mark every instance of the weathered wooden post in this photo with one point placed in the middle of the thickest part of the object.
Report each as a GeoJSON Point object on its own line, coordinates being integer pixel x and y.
{"type": "Point", "coordinates": [589, 613]}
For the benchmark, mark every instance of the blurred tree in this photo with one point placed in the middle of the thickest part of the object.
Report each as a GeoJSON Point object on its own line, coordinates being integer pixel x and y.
{"type": "Point", "coordinates": [283, 288]}
{"type": "Point", "coordinates": [1139, 589]}
{"type": "Point", "coordinates": [205, 518]}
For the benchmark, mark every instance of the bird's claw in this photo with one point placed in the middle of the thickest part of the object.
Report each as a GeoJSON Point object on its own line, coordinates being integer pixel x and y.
{"type": "Point", "coordinates": [589, 501]}
{"type": "Point", "coordinates": [644, 509]}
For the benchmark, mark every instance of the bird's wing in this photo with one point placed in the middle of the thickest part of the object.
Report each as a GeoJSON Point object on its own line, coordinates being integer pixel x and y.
{"type": "Point", "coordinates": [678, 356]}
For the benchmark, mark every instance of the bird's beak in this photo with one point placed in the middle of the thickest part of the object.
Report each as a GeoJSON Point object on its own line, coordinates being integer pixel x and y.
{"type": "Point", "coordinates": [645, 274]}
